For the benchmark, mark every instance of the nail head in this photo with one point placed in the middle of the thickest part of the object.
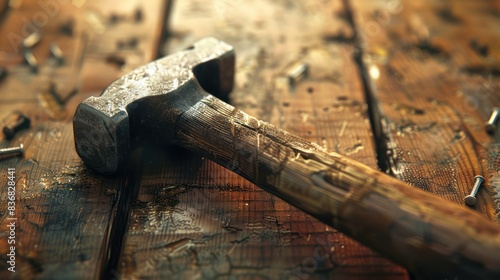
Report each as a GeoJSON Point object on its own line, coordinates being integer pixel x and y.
{"type": "Point", "coordinates": [470, 200]}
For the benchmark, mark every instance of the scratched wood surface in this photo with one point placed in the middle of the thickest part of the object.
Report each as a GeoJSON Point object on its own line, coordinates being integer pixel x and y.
{"type": "Point", "coordinates": [433, 67]}
{"type": "Point", "coordinates": [64, 211]}
{"type": "Point", "coordinates": [219, 225]}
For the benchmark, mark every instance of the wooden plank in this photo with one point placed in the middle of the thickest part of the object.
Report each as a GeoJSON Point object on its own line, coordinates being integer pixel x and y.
{"type": "Point", "coordinates": [435, 89]}
{"type": "Point", "coordinates": [194, 219]}
{"type": "Point", "coordinates": [64, 210]}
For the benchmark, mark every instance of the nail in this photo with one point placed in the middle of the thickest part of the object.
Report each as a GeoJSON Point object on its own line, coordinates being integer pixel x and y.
{"type": "Point", "coordinates": [490, 125]}
{"type": "Point", "coordinates": [13, 151]}
{"type": "Point", "coordinates": [297, 73]}
{"type": "Point", "coordinates": [57, 53]}
{"type": "Point", "coordinates": [31, 60]}
{"type": "Point", "coordinates": [32, 40]}
{"type": "Point", "coordinates": [471, 198]}
{"type": "Point", "coordinates": [13, 123]}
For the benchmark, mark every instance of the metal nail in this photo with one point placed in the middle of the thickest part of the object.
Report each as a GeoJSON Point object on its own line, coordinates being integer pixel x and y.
{"type": "Point", "coordinates": [15, 122]}
{"type": "Point", "coordinates": [16, 151]}
{"type": "Point", "coordinates": [471, 198]}
{"type": "Point", "coordinates": [32, 40]}
{"type": "Point", "coordinates": [490, 125]}
{"type": "Point", "coordinates": [297, 72]}
{"type": "Point", "coordinates": [31, 60]}
{"type": "Point", "coordinates": [57, 53]}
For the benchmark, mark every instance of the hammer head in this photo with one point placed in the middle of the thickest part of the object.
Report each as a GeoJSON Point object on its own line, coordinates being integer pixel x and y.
{"type": "Point", "coordinates": [104, 126]}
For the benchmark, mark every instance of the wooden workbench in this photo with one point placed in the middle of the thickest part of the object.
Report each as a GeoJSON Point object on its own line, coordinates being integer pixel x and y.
{"type": "Point", "coordinates": [403, 86]}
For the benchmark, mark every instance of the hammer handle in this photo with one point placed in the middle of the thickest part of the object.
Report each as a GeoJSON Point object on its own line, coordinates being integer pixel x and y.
{"type": "Point", "coordinates": [426, 234]}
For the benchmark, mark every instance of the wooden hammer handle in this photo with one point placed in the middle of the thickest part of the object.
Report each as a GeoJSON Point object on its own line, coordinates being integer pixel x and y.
{"type": "Point", "coordinates": [428, 235]}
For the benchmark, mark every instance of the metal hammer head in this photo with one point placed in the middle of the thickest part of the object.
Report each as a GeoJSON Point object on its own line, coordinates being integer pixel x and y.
{"type": "Point", "coordinates": [104, 126]}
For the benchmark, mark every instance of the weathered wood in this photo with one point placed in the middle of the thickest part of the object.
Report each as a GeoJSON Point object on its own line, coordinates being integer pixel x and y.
{"type": "Point", "coordinates": [432, 102]}
{"type": "Point", "coordinates": [64, 210]}
{"type": "Point", "coordinates": [432, 67]}
{"type": "Point", "coordinates": [61, 208]}
{"type": "Point", "coordinates": [382, 212]}
{"type": "Point", "coordinates": [197, 219]}
{"type": "Point", "coordinates": [397, 220]}
{"type": "Point", "coordinates": [233, 228]}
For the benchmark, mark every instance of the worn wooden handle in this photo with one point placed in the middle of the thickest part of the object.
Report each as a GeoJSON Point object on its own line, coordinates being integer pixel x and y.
{"type": "Point", "coordinates": [428, 235]}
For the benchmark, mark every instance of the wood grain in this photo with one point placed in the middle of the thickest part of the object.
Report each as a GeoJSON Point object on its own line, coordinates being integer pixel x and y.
{"type": "Point", "coordinates": [424, 233]}
{"type": "Point", "coordinates": [218, 224]}
{"type": "Point", "coordinates": [437, 69]}
{"type": "Point", "coordinates": [64, 210]}
{"type": "Point", "coordinates": [419, 58]}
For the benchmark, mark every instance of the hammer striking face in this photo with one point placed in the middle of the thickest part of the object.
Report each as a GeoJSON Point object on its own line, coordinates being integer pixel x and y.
{"type": "Point", "coordinates": [104, 125]}
{"type": "Point", "coordinates": [168, 100]}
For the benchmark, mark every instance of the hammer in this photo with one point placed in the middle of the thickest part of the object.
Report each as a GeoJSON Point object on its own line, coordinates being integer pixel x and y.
{"type": "Point", "coordinates": [166, 101]}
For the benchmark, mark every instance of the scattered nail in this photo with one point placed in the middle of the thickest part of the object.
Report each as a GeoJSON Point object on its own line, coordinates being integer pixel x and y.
{"type": "Point", "coordinates": [491, 124]}
{"type": "Point", "coordinates": [57, 53]}
{"type": "Point", "coordinates": [471, 198]}
{"type": "Point", "coordinates": [12, 152]}
{"type": "Point", "coordinates": [31, 60]}
{"type": "Point", "coordinates": [32, 40]}
{"type": "Point", "coordinates": [13, 123]}
{"type": "Point", "coordinates": [297, 73]}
